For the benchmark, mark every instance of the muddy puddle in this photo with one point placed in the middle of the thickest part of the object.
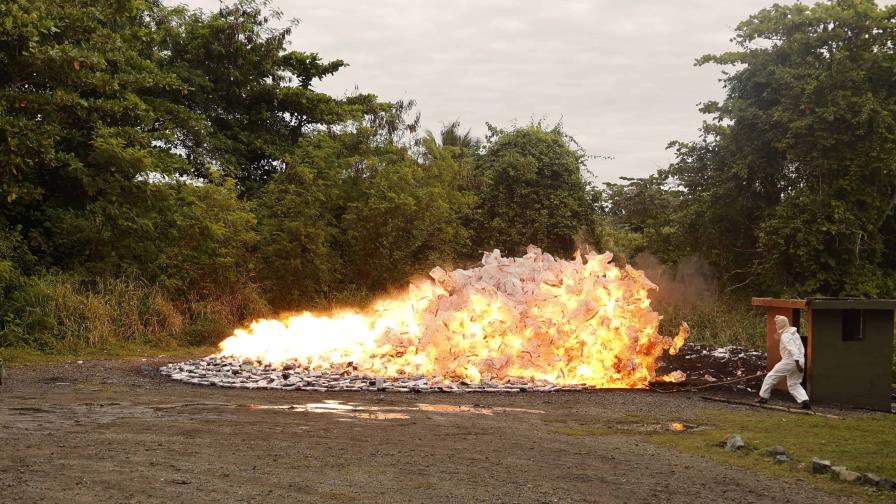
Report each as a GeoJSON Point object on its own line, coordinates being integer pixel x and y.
{"type": "Point", "coordinates": [94, 412]}
{"type": "Point", "coordinates": [355, 410]}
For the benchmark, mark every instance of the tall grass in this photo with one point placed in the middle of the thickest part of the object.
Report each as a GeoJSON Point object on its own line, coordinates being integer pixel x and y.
{"type": "Point", "coordinates": [717, 323]}
{"type": "Point", "coordinates": [62, 313]}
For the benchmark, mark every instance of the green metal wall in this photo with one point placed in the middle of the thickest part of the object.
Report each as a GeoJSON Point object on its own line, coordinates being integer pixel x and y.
{"type": "Point", "coordinates": [851, 373]}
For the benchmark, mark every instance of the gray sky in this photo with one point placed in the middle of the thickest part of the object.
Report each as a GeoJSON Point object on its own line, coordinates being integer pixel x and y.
{"type": "Point", "coordinates": [618, 73]}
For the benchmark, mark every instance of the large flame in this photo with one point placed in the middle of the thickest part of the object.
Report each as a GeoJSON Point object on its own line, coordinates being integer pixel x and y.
{"type": "Point", "coordinates": [536, 318]}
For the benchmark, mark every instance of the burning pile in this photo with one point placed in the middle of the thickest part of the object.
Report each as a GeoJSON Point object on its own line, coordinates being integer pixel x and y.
{"type": "Point", "coordinates": [535, 321]}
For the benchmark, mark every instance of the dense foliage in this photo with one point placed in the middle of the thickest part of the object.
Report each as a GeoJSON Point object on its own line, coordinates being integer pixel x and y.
{"type": "Point", "coordinates": [168, 173]}
{"type": "Point", "coordinates": [181, 162]}
{"type": "Point", "coordinates": [791, 187]}
{"type": "Point", "coordinates": [534, 191]}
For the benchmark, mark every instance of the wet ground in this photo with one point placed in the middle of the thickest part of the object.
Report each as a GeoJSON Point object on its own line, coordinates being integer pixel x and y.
{"type": "Point", "coordinates": [116, 431]}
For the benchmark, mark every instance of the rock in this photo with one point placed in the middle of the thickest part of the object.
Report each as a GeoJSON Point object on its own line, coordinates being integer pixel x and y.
{"type": "Point", "coordinates": [780, 459]}
{"type": "Point", "coordinates": [774, 451]}
{"type": "Point", "coordinates": [887, 484]}
{"type": "Point", "coordinates": [850, 476]}
{"type": "Point", "coordinates": [820, 466]}
{"type": "Point", "coordinates": [844, 474]}
{"type": "Point", "coordinates": [734, 442]}
{"type": "Point", "coordinates": [870, 479]}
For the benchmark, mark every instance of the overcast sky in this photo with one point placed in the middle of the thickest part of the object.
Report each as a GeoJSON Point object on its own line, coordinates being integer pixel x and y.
{"type": "Point", "coordinates": [619, 74]}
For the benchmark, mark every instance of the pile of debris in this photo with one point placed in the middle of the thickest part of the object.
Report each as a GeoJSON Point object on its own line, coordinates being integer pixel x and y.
{"type": "Point", "coordinates": [536, 318]}
{"type": "Point", "coordinates": [704, 365]}
{"type": "Point", "coordinates": [248, 374]}
{"type": "Point", "coordinates": [698, 365]}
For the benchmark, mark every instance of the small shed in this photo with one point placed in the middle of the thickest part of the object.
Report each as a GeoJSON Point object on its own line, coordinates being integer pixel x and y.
{"type": "Point", "coordinates": [849, 347]}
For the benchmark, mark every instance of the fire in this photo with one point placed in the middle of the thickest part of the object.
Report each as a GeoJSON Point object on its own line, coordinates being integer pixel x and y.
{"type": "Point", "coordinates": [534, 318]}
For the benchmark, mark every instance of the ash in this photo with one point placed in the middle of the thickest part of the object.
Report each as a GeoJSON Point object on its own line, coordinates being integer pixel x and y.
{"type": "Point", "coordinates": [699, 365]}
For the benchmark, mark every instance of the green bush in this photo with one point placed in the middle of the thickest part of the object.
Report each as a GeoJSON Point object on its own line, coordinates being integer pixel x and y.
{"type": "Point", "coordinates": [534, 192]}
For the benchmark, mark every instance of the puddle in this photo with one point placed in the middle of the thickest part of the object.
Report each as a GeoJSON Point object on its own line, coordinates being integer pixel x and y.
{"type": "Point", "coordinates": [384, 412]}
{"type": "Point", "coordinates": [163, 407]}
{"type": "Point", "coordinates": [336, 408]}
{"type": "Point", "coordinates": [87, 412]}
{"type": "Point", "coordinates": [670, 427]}
{"type": "Point", "coordinates": [685, 427]}
{"type": "Point", "coordinates": [103, 412]}
{"type": "Point", "coordinates": [450, 408]}
{"type": "Point", "coordinates": [29, 410]}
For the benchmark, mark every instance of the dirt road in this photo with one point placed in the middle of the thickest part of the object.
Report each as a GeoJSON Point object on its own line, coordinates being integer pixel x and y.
{"type": "Point", "coordinates": [114, 431]}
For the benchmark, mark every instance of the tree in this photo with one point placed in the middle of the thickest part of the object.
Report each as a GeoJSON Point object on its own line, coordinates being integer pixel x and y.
{"type": "Point", "coordinates": [643, 215]}
{"type": "Point", "coordinates": [256, 98]}
{"type": "Point", "coordinates": [79, 125]}
{"type": "Point", "coordinates": [406, 217]}
{"type": "Point", "coordinates": [792, 186]}
{"type": "Point", "coordinates": [534, 191]}
{"type": "Point", "coordinates": [463, 148]}
{"type": "Point", "coordinates": [298, 259]}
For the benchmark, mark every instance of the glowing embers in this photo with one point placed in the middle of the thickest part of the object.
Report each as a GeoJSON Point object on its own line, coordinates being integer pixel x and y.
{"type": "Point", "coordinates": [535, 320]}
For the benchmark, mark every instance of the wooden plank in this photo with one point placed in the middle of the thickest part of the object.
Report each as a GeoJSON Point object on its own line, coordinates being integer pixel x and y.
{"type": "Point", "coordinates": [770, 407]}
{"type": "Point", "coordinates": [779, 303]}
{"type": "Point", "coordinates": [851, 304]}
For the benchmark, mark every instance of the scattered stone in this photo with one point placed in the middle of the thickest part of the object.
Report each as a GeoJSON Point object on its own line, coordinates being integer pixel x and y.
{"type": "Point", "coordinates": [871, 479]}
{"type": "Point", "coordinates": [851, 476]}
{"type": "Point", "coordinates": [734, 442]}
{"type": "Point", "coordinates": [820, 466]}
{"type": "Point", "coordinates": [780, 459]}
{"type": "Point", "coordinates": [845, 474]}
{"type": "Point", "coordinates": [774, 451]}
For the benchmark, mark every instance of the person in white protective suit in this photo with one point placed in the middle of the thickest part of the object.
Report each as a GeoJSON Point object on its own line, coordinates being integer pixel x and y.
{"type": "Point", "coordinates": [792, 365]}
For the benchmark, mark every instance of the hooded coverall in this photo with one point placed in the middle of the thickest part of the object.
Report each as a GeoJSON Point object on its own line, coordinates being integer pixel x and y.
{"type": "Point", "coordinates": [791, 348]}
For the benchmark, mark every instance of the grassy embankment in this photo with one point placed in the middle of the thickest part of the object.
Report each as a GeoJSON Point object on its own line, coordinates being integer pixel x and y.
{"type": "Point", "coordinates": [55, 318]}
{"type": "Point", "coordinates": [862, 442]}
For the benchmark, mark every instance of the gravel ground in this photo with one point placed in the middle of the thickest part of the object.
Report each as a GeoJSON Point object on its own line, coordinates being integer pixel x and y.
{"type": "Point", "coordinates": [117, 431]}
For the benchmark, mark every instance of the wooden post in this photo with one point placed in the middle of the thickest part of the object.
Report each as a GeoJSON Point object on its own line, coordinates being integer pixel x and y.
{"type": "Point", "coordinates": [789, 308]}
